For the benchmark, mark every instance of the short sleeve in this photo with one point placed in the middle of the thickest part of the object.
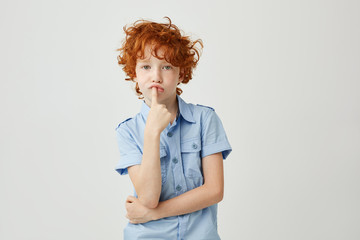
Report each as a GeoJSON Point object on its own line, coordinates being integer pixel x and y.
{"type": "Point", "coordinates": [130, 153]}
{"type": "Point", "coordinates": [214, 139]}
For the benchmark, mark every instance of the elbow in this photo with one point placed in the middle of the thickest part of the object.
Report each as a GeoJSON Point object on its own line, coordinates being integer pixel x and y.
{"type": "Point", "coordinates": [152, 204]}
{"type": "Point", "coordinates": [149, 203]}
{"type": "Point", "coordinates": [149, 199]}
{"type": "Point", "coordinates": [219, 195]}
{"type": "Point", "coordinates": [215, 193]}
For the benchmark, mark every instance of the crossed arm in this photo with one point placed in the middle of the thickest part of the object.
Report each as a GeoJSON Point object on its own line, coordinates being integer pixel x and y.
{"type": "Point", "coordinates": [209, 193]}
{"type": "Point", "coordinates": [146, 177]}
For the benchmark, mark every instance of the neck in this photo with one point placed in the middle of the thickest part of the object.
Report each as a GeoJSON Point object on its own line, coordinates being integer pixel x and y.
{"type": "Point", "coordinates": [173, 107]}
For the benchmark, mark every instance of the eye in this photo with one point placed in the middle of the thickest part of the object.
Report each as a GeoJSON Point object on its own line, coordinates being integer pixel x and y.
{"type": "Point", "coordinates": [146, 67]}
{"type": "Point", "coordinates": [167, 67]}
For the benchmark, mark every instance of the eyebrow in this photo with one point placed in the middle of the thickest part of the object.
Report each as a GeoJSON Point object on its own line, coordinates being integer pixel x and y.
{"type": "Point", "coordinates": [148, 60]}
{"type": "Point", "coordinates": [143, 60]}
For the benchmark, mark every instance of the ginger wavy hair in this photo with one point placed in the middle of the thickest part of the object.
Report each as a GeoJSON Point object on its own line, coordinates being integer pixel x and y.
{"type": "Point", "coordinates": [179, 50]}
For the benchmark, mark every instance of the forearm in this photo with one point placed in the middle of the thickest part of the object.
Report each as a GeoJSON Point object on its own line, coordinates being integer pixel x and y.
{"type": "Point", "coordinates": [191, 201]}
{"type": "Point", "coordinates": [209, 193]}
{"type": "Point", "coordinates": [148, 178]}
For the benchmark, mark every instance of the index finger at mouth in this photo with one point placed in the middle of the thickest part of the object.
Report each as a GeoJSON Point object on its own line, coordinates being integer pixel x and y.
{"type": "Point", "coordinates": [154, 95]}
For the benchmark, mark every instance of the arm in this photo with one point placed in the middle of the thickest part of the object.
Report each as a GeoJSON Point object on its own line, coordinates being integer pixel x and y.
{"type": "Point", "coordinates": [209, 193]}
{"type": "Point", "coordinates": [146, 177]}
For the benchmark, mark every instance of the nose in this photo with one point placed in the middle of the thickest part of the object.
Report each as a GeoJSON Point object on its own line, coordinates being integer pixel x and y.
{"type": "Point", "coordinates": [157, 76]}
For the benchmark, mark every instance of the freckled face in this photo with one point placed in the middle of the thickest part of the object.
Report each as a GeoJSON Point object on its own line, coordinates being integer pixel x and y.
{"type": "Point", "coordinates": [153, 72]}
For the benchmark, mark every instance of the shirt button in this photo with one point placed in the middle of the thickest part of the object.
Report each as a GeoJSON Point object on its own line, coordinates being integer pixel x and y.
{"type": "Point", "coordinates": [169, 134]}
{"type": "Point", "coordinates": [175, 160]}
{"type": "Point", "coordinates": [194, 146]}
{"type": "Point", "coordinates": [178, 188]}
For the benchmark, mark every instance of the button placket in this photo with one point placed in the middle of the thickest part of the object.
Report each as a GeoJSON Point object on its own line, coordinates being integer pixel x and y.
{"type": "Point", "coordinates": [177, 168]}
{"type": "Point", "coordinates": [175, 160]}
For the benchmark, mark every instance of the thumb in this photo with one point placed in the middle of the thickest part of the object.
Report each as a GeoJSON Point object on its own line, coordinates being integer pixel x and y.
{"type": "Point", "coordinates": [154, 96]}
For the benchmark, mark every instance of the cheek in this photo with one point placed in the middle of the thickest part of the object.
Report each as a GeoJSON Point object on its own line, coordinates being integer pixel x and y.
{"type": "Point", "coordinates": [141, 85]}
{"type": "Point", "coordinates": [140, 79]}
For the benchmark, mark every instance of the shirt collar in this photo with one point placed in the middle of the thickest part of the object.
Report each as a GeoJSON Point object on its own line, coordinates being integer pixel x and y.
{"type": "Point", "coordinates": [184, 110]}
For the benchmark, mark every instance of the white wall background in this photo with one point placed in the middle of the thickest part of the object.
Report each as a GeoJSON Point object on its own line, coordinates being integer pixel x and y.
{"type": "Point", "coordinates": [283, 75]}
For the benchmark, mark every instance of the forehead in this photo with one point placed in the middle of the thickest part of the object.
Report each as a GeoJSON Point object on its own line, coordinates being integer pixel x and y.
{"type": "Point", "coordinates": [152, 50]}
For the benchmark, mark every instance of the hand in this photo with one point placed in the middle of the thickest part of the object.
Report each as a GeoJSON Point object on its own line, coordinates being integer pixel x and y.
{"type": "Point", "coordinates": [159, 117]}
{"type": "Point", "coordinates": [136, 212]}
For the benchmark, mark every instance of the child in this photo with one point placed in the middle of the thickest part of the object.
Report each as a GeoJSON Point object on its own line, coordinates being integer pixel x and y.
{"type": "Point", "coordinates": [172, 150]}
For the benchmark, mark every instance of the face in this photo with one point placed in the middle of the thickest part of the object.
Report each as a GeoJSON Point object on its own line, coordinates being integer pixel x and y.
{"type": "Point", "coordinates": [153, 72]}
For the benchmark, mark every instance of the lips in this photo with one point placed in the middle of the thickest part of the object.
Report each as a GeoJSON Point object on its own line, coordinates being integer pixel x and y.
{"type": "Point", "coordinates": [159, 88]}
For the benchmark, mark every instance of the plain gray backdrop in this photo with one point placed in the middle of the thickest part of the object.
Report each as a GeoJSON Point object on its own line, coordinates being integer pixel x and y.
{"type": "Point", "coordinates": [284, 77]}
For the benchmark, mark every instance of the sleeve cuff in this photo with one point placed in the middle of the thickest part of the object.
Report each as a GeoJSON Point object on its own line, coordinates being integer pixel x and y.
{"type": "Point", "coordinates": [223, 147]}
{"type": "Point", "coordinates": [127, 161]}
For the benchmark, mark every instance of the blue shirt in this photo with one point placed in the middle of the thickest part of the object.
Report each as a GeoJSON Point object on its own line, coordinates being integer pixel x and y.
{"type": "Point", "coordinates": [196, 132]}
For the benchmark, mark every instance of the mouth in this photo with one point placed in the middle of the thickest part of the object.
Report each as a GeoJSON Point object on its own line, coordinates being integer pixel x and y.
{"type": "Point", "coordinates": [159, 88]}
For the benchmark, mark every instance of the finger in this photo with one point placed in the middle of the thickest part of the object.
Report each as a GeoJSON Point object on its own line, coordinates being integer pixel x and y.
{"type": "Point", "coordinates": [154, 92]}
{"type": "Point", "coordinates": [130, 199]}
{"type": "Point", "coordinates": [127, 206]}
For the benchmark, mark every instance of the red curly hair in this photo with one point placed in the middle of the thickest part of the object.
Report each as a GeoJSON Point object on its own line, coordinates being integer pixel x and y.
{"type": "Point", "coordinates": [179, 50]}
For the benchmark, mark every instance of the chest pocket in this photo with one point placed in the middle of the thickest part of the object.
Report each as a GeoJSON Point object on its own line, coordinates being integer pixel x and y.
{"type": "Point", "coordinates": [190, 154]}
{"type": "Point", "coordinates": [164, 164]}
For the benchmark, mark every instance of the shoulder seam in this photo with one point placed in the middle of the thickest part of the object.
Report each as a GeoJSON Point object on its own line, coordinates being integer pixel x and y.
{"type": "Point", "coordinates": [208, 115]}
{"type": "Point", "coordinates": [122, 122]}
{"type": "Point", "coordinates": [205, 106]}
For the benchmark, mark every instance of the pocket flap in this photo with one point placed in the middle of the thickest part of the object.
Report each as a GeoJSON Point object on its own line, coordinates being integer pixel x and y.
{"type": "Point", "coordinates": [191, 145]}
